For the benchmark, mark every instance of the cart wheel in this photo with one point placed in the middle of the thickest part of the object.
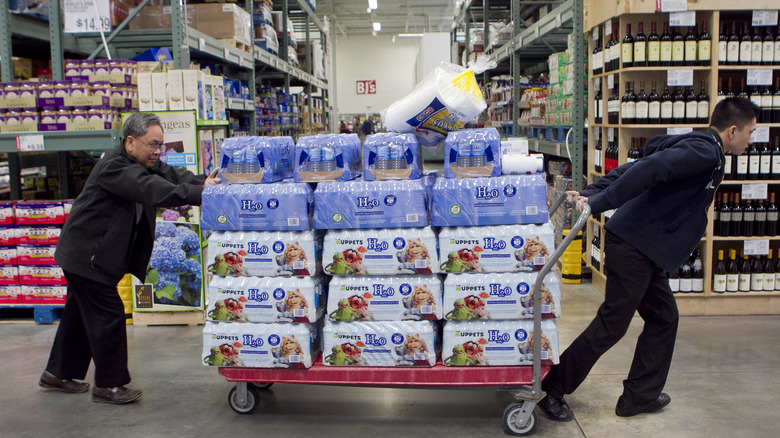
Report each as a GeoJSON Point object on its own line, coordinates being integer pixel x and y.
{"type": "Point", "coordinates": [511, 415]}
{"type": "Point", "coordinates": [263, 385]}
{"type": "Point", "coordinates": [252, 399]}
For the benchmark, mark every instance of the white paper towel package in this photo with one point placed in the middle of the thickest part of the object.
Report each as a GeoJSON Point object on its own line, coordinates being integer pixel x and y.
{"type": "Point", "coordinates": [263, 253]}
{"type": "Point", "coordinates": [391, 251]}
{"type": "Point", "coordinates": [499, 248]}
{"type": "Point", "coordinates": [370, 204]}
{"type": "Point", "coordinates": [389, 156]}
{"type": "Point", "coordinates": [497, 343]}
{"type": "Point", "coordinates": [266, 299]}
{"type": "Point", "coordinates": [379, 344]}
{"type": "Point", "coordinates": [445, 100]}
{"type": "Point", "coordinates": [502, 200]}
{"type": "Point", "coordinates": [260, 345]}
{"type": "Point", "coordinates": [256, 207]}
{"type": "Point", "coordinates": [472, 153]}
{"type": "Point", "coordinates": [385, 298]}
{"type": "Point", "coordinates": [499, 296]}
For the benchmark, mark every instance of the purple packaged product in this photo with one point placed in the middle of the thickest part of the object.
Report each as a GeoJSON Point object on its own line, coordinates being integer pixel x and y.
{"type": "Point", "coordinates": [503, 200]}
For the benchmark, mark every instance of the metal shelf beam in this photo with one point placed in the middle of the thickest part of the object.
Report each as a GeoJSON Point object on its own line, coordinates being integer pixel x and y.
{"type": "Point", "coordinates": [66, 140]}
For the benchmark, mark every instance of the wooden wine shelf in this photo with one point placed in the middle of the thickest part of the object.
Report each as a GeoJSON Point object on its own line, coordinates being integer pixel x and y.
{"type": "Point", "coordinates": [739, 182]}
{"type": "Point", "coordinates": [653, 69]}
{"type": "Point", "coordinates": [741, 238]}
{"type": "Point", "coordinates": [748, 67]}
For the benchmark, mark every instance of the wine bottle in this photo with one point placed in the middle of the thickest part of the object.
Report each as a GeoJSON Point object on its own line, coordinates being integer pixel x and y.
{"type": "Point", "coordinates": [765, 115]}
{"type": "Point", "coordinates": [732, 272]}
{"type": "Point", "coordinates": [598, 116]}
{"type": "Point", "coordinates": [765, 169]}
{"type": "Point", "coordinates": [705, 46]}
{"type": "Point", "coordinates": [724, 218]}
{"type": "Point", "coordinates": [627, 48]}
{"type": "Point", "coordinates": [759, 226]}
{"type": "Point", "coordinates": [666, 46]}
{"type": "Point", "coordinates": [732, 56]}
{"type": "Point", "coordinates": [595, 249]}
{"type": "Point", "coordinates": [597, 57]}
{"type": "Point", "coordinates": [654, 47]}
{"type": "Point", "coordinates": [697, 273]}
{"type": "Point", "coordinates": [642, 104]}
{"type": "Point", "coordinates": [736, 217]}
{"type": "Point", "coordinates": [678, 48]}
{"type": "Point", "coordinates": [756, 48]}
{"type": "Point", "coordinates": [703, 105]}
{"type": "Point", "coordinates": [723, 40]}
{"type": "Point", "coordinates": [748, 218]}
{"type": "Point", "coordinates": [754, 162]}
{"type": "Point", "coordinates": [654, 107]}
{"type": "Point", "coordinates": [757, 275]}
{"type": "Point", "coordinates": [768, 48]}
{"type": "Point", "coordinates": [745, 46]}
{"type": "Point", "coordinates": [674, 281]}
{"type": "Point", "coordinates": [771, 218]}
{"type": "Point", "coordinates": [685, 277]}
{"type": "Point", "coordinates": [744, 274]}
{"type": "Point", "coordinates": [730, 91]}
{"type": "Point", "coordinates": [691, 46]}
{"type": "Point", "coordinates": [597, 150]}
{"type": "Point", "coordinates": [743, 91]}
{"type": "Point", "coordinates": [667, 107]}
{"type": "Point", "coordinates": [678, 108]}
{"type": "Point", "coordinates": [631, 105]}
{"type": "Point", "coordinates": [691, 107]}
{"type": "Point", "coordinates": [777, 271]}
{"type": "Point", "coordinates": [769, 274]}
{"type": "Point", "coordinates": [728, 163]}
{"type": "Point", "coordinates": [613, 107]}
{"type": "Point", "coordinates": [742, 165]}
{"type": "Point", "coordinates": [719, 279]}
{"type": "Point", "coordinates": [777, 50]}
{"type": "Point", "coordinates": [776, 102]}
{"type": "Point", "coordinates": [634, 153]}
{"type": "Point", "coordinates": [624, 115]}
{"type": "Point", "coordinates": [721, 93]}
{"type": "Point", "coordinates": [776, 160]}
{"type": "Point", "coordinates": [607, 53]}
{"type": "Point", "coordinates": [640, 48]}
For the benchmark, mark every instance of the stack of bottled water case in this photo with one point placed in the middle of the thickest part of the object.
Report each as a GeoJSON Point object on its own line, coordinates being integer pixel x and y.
{"type": "Point", "coordinates": [256, 159]}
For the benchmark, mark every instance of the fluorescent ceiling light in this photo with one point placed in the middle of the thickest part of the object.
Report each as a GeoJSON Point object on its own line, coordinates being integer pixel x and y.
{"type": "Point", "coordinates": [410, 35]}
{"type": "Point", "coordinates": [372, 4]}
{"type": "Point", "coordinates": [377, 26]}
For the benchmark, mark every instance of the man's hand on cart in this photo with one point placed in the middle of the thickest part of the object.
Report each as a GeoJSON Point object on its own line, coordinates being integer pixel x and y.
{"type": "Point", "coordinates": [576, 200]}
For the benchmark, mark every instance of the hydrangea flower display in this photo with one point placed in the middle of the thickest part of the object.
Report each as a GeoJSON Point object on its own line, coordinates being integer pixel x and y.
{"type": "Point", "coordinates": [175, 266]}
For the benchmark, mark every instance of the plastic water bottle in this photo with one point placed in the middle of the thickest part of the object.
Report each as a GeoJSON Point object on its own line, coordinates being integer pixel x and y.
{"type": "Point", "coordinates": [315, 159]}
{"type": "Point", "coordinates": [478, 154]}
{"type": "Point", "coordinates": [382, 157]}
{"type": "Point", "coordinates": [236, 164]}
{"type": "Point", "coordinates": [397, 160]}
{"type": "Point", "coordinates": [251, 163]}
{"type": "Point", "coordinates": [328, 160]}
{"type": "Point", "coordinates": [464, 154]}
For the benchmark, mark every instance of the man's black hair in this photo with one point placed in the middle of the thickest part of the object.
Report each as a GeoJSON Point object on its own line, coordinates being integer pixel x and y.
{"type": "Point", "coordinates": [733, 111]}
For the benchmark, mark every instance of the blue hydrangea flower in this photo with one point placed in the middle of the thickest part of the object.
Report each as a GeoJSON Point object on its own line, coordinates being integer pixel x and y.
{"type": "Point", "coordinates": [164, 229]}
{"type": "Point", "coordinates": [192, 271]}
{"type": "Point", "coordinates": [167, 255]}
{"type": "Point", "coordinates": [189, 240]}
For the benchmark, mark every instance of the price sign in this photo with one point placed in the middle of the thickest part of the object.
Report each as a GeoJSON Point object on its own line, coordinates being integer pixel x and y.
{"type": "Point", "coordinates": [610, 134]}
{"type": "Point", "coordinates": [681, 78]}
{"type": "Point", "coordinates": [29, 143]}
{"type": "Point", "coordinates": [611, 81]}
{"type": "Point", "coordinates": [81, 16]}
{"type": "Point", "coordinates": [760, 135]}
{"type": "Point", "coordinates": [682, 18]}
{"type": "Point", "coordinates": [674, 5]}
{"type": "Point", "coordinates": [225, 52]}
{"type": "Point", "coordinates": [536, 32]}
{"type": "Point", "coordinates": [558, 20]}
{"type": "Point", "coordinates": [596, 85]}
{"type": "Point", "coordinates": [756, 247]}
{"type": "Point", "coordinates": [764, 18]}
{"type": "Point", "coordinates": [759, 77]}
{"type": "Point", "coordinates": [678, 131]}
{"type": "Point", "coordinates": [607, 27]}
{"type": "Point", "coordinates": [595, 34]}
{"type": "Point", "coordinates": [201, 44]}
{"type": "Point", "coordinates": [754, 191]}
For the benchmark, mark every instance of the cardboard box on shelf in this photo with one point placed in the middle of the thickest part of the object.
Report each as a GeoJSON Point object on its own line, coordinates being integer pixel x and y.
{"type": "Point", "coordinates": [158, 17]}
{"type": "Point", "coordinates": [190, 88]}
{"type": "Point", "coordinates": [224, 20]}
{"type": "Point", "coordinates": [159, 92]}
{"type": "Point", "coordinates": [144, 92]}
{"type": "Point", "coordinates": [175, 90]}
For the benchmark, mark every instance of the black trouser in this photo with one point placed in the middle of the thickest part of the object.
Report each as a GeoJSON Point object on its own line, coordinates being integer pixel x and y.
{"type": "Point", "coordinates": [634, 283]}
{"type": "Point", "coordinates": [92, 328]}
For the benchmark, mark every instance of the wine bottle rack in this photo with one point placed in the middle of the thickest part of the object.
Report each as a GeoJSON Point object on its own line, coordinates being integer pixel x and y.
{"type": "Point", "coordinates": [714, 12]}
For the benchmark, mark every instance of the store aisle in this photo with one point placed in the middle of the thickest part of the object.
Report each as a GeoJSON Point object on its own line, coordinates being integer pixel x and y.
{"type": "Point", "coordinates": [723, 382]}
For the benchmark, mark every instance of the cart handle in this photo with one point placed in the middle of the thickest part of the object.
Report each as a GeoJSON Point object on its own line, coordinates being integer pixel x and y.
{"type": "Point", "coordinates": [575, 229]}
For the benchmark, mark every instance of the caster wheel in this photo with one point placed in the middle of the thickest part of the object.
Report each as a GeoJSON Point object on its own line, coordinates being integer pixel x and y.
{"type": "Point", "coordinates": [252, 399]}
{"type": "Point", "coordinates": [511, 415]}
{"type": "Point", "coordinates": [263, 385]}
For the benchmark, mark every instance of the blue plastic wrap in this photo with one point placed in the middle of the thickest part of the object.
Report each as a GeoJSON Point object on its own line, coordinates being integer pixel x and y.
{"type": "Point", "coordinates": [499, 296]}
{"type": "Point", "coordinates": [390, 156]}
{"type": "Point", "coordinates": [385, 298]}
{"type": "Point", "coordinates": [256, 159]}
{"type": "Point", "coordinates": [256, 207]}
{"type": "Point", "coordinates": [472, 153]}
{"type": "Point", "coordinates": [263, 253]}
{"type": "Point", "coordinates": [504, 200]}
{"type": "Point", "coordinates": [327, 157]}
{"type": "Point", "coordinates": [500, 248]}
{"type": "Point", "coordinates": [379, 344]}
{"type": "Point", "coordinates": [389, 251]}
{"type": "Point", "coordinates": [370, 204]}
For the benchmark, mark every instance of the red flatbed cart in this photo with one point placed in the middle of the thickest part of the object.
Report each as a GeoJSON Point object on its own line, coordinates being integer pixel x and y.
{"type": "Point", "coordinates": [523, 381]}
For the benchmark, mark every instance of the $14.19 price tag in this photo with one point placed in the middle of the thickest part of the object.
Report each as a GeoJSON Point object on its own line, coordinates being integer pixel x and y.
{"type": "Point", "coordinates": [81, 16]}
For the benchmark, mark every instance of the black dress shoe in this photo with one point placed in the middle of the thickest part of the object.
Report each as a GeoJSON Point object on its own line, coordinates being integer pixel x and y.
{"type": "Point", "coordinates": [555, 408]}
{"type": "Point", "coordinates": [626, 409]}
{"type": "Point", "coordinates": [50, 381]}
{"type": "Point", "coordinates": [116, 396]}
